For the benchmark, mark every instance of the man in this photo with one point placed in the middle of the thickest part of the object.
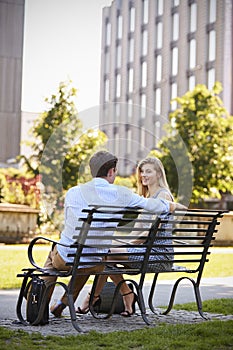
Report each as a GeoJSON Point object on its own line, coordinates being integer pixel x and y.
{"type": "Point", "coordinates": [101, 191]}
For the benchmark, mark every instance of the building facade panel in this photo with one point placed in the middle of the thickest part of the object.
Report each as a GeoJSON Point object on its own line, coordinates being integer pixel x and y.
{"type": "Point", "coordinates": [11, 52]}
{"type": "Point", "coordinates": [167, 47]}
{"type": "Point", "coordinates": [10, 140]}
{"type": "Point", "coordinates": [11, 26]}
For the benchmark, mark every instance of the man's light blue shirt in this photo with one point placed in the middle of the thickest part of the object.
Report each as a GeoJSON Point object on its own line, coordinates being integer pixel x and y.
{"type": "Point", "coordinates": [99, 192]}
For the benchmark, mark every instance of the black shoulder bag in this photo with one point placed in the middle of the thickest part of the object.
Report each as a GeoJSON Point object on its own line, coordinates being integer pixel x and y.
{"type": "Point", "coordinates": [34, 294]}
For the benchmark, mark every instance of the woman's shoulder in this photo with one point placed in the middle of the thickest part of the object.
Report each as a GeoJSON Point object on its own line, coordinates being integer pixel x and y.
{"type": "Point", "coordinates": [163, 193]}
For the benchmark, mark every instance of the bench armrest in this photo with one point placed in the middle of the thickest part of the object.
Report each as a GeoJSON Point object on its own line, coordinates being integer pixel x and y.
{"type": "Point", "coordinates": [32, 244]}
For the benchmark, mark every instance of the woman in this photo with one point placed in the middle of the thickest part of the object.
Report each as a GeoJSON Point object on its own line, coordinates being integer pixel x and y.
{"type": "Point", "coordinates": [152, 182]}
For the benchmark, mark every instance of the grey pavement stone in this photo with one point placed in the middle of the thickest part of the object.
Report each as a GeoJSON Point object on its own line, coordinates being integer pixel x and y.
{"type": "Point", "coordinates": [63, 326]}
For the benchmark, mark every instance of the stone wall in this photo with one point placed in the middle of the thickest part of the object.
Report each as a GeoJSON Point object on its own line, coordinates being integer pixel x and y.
{"type": "Point", "coordinates": [17, 223]}
{"type": "Point", "coordinates": [224, 235]}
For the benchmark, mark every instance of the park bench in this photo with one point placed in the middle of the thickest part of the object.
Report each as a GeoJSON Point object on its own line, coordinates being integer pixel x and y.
{"type": "Point", "coordinates": [192, 234]}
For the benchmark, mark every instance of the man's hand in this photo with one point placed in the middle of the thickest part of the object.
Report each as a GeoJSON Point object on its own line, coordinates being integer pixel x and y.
{"type": "Point", "coordinates": [174, 206]}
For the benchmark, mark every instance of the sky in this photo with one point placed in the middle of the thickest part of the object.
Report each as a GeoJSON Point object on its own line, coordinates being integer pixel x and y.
{"type": "Point", "coordinates": [62, 41]}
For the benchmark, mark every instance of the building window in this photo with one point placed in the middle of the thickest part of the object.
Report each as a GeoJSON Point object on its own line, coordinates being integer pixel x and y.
{"type": "Point", "coordinates": [107, 62]}
{"type": "Point", "coordinates": [193, 18]}
{"type": "Point", "coordinates": [132, 19]}
{"type": "Point", "coordinates": [176, 3]}
{"type": "Point", "coordinates": [144, 42]}
{"type": "Point", "coordinates": [130, 109]}
{"type": "Point", "coordinates": [158, 101]}
{"type": "Point", "coordinates": [159, 35]}
{"type": "Point", "coordinates": [192, 82]}
{"type": "Point", "coordinates": [143, 106]}
{"type": "Point", "coordinates": [130, 81]}
{"type": "Point", "coordinates": [212, 45]}
{"type": "Point", "coordinates": [192, 54]}
{"type": "Point", "coordinates": [118, 56]}
{"type": "Point", "coordinates": [118, 85]}
{"type": "Point", "coordinates": [175, 61]}
{"type": "Point", "coordinates": [144, 74]}
{"type": "Point", "coordinates": [108, 34]}
{"type": "Point", "coordinates": [157, 132]}
{"type": "Point", "coordinates": [212, 11]}
{"type": "Point", "coordinates": [131, 49]}
{"type": "Point", "coordinates": [142, 137]}
{"type": "Point", "coordinates": [159, 68]}
{"type": "Point", "coordinates": [129, 140]}
{"type": "Point", "coordinates": [211, 78]}
{"type": "Point", "coordinates": [106, 90]}
{"type": "Point", "coordinates": [173, 95]}
{"type": "Point", "coordinates": [145, 12]}
{"type": "Point", "coordinates": [116, 141]}
{"type": "Point", "coordinates": [159, 7]}
{"type": "Point", "coordinates": [175, 26]}
{"type": "Point", "coordinates": [117, 111]}
{"type": "Point", "coordinates": [119, 27]}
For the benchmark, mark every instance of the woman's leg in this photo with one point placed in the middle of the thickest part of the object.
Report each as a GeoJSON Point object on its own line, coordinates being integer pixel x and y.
{"type": "Point", "coordinates": [85, 305]}
{"type": "Point", "coordinates": [126, 292]}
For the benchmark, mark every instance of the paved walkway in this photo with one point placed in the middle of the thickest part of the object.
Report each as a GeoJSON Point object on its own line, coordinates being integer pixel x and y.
{"type": "Point", "coordinates": [211, 288]}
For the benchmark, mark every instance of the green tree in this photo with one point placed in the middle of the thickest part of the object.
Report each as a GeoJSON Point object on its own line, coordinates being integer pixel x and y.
{"type": "Point", "coordinates": [60, 145]}
{"type": "Point", "coordinates": [61, 149]}
{"type": "Point", "coordinates": [205, 127]}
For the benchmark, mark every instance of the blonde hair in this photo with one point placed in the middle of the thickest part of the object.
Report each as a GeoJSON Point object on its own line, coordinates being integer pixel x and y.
{"type": "Point", "coordinates": [158, 166]}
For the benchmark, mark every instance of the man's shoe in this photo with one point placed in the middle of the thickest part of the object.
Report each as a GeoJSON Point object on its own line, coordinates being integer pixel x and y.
{"type": "Point", "coordinates": [57, 309]}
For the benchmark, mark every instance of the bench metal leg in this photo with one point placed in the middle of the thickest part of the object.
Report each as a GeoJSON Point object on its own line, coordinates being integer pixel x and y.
{"type": "Point", "coordinates": [142, 307]}
{"type": "Point", "coordinates": [20, 300]}
{"type": "Point", "coordinates": [140, 300]}
{"type": "Point", "coordinates": [70, 298]}
{"type": "Point", "coordinates": [92, 294]}
{"type": "Point", "coordinates": [73, 313]}
{"type": "Point", "coordinates": [22, 295]}
{"type": "Point", "coordinates": [198, 299]}
{"type": "Point", "coordinates": [151, 295]}
{"type": "Point", "coordinates": [44, 303]}
{"type": "Point", "coordinates": [71, 307]}
{"type": "Point", "coordinates": [197, 295]}
{"type": "Point", "coordinates": [70, 304]}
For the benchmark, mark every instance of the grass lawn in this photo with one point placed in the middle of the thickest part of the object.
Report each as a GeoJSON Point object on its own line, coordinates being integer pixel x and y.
{"type": "Point", "coordinates": [214, 335]}
{"type": "Point", "coordinates": [14, 258]}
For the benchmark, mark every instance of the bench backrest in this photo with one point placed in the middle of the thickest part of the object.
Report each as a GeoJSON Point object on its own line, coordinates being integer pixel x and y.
{"type": "Point", "coordinates": [109, 227]}
{"type": "Point", "coordinates": [190, 233]}
{"type": "Point", "coordinates": [193, 233]}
